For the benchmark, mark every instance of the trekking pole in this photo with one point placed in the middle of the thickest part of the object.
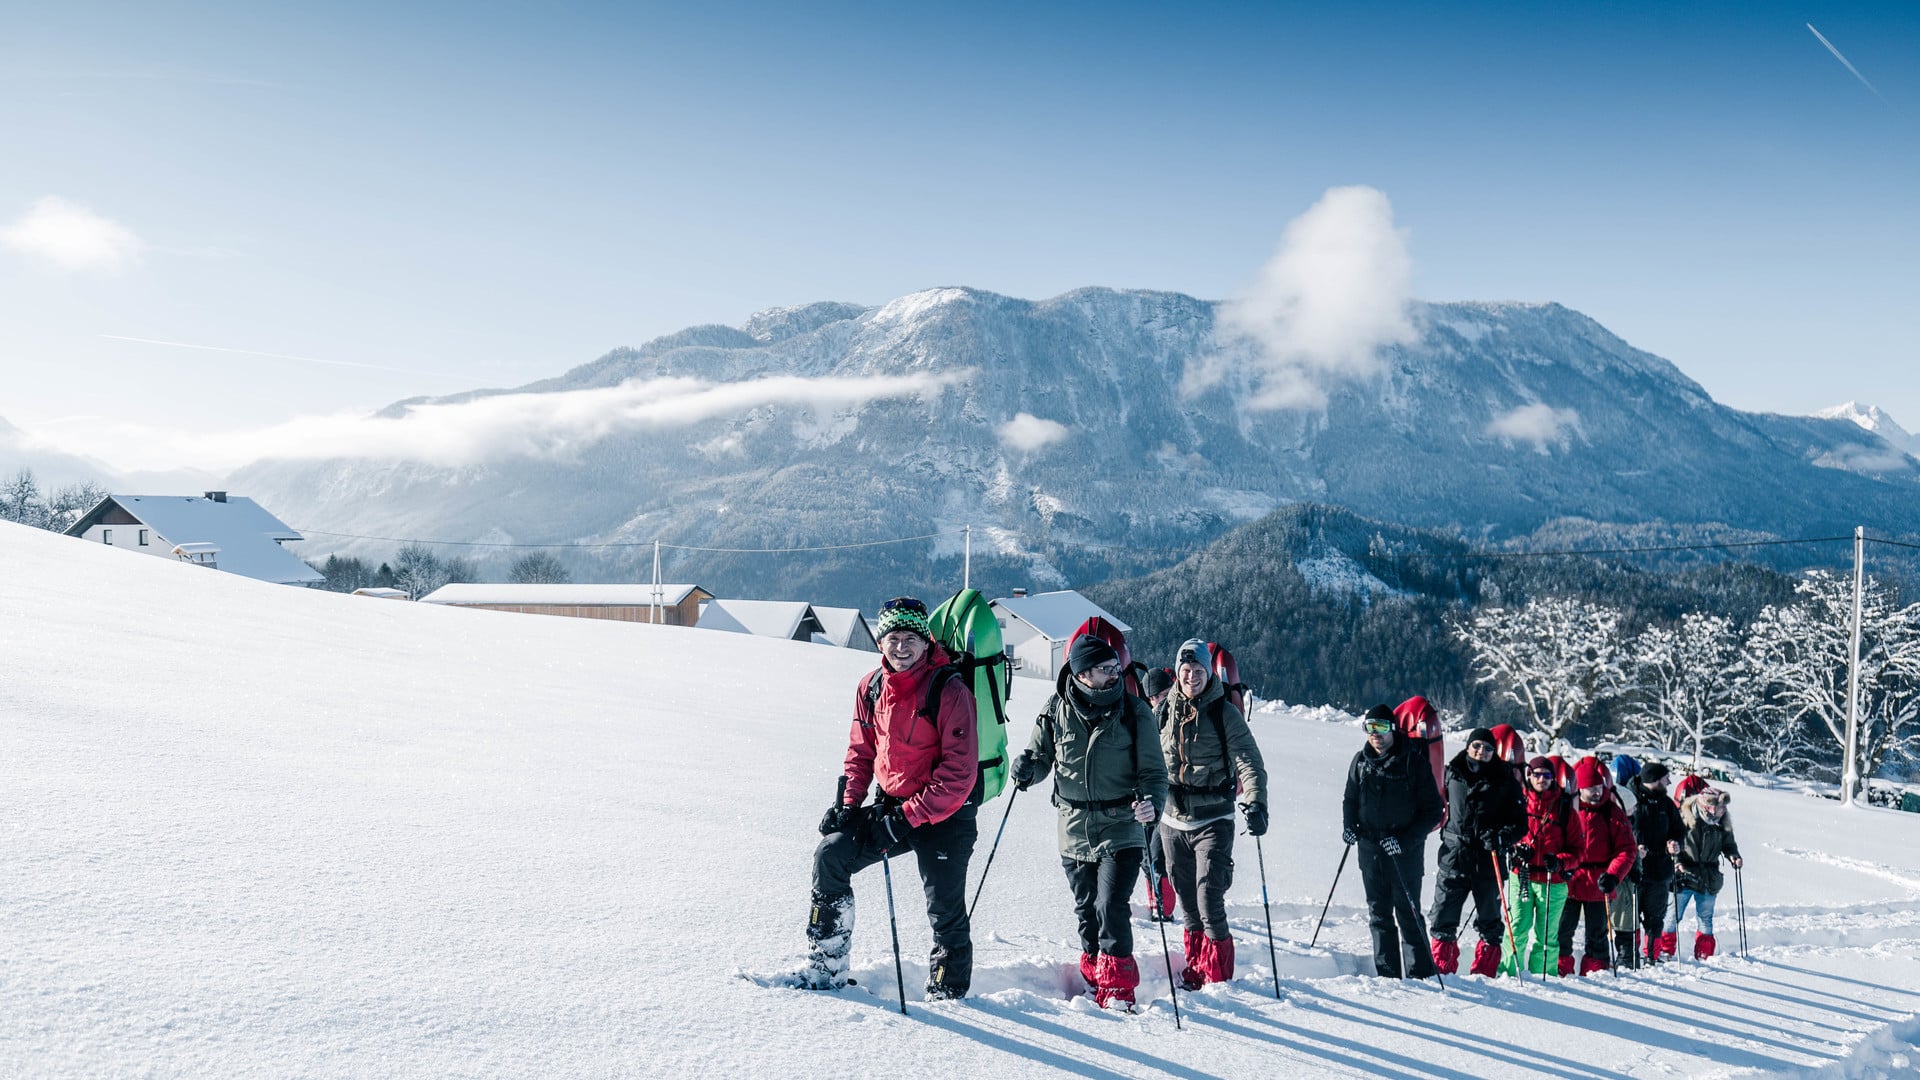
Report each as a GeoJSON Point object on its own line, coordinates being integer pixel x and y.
{"type": "Point", "coordinates": [1268, 908]}
{"type": "Point", "coordinates": [1336, 884]}
{"type": "Point", "coordinates": [1506, 914]}
{"type": "Point", "coordinates": [1419, 920]}
{"type": "Point", "coordinates": [977, 889]}
{"type": "Point", "coordinates": [1740, 905]}
{"type": "Point", "coordinates": [899, 973]}
{"type": "Point", "coordinates": [1166, 950]}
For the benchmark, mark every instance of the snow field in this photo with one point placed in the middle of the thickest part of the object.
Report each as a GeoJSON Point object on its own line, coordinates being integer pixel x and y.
{"type": "Point", "coordinates": [255, 830]}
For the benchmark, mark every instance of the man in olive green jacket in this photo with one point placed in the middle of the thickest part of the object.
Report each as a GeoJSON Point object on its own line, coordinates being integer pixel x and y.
{"type": "Point", "coordinates": [1109, 781]}
{"type": "Point", "coordinates": [1210, 754]}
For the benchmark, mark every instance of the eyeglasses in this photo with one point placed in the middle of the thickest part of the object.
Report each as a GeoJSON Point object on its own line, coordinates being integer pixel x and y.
{"type": "Point", "coordinates": [904, 603]}
{"type": "Point", "coordinates": [1377, 727]}
{"type": "Point", "coordinates": [1110, 669]}
{"type": "Point", "coordinates": [1480, 746]}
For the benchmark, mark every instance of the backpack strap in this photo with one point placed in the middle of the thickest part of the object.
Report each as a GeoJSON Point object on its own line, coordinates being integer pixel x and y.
{"type": "Point", "coordinates": [1217, 712]}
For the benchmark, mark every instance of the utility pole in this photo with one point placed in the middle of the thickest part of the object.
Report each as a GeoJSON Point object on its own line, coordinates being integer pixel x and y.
{"type": "Point", "coordinates": [1849, 773]}
{"type": "Point", "coordinates": [966, 571]}
{"type": "Point", "coordinates": [656, 582]}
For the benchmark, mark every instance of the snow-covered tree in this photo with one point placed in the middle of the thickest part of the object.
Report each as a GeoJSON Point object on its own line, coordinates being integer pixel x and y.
{"type": "Point", "coordinates": [1685, 683]}
{"type": "Point", "coordinates": [419, 571]}
{"type": "Point", "coordinates": [538, 568]}
{"type": "Point", "coordinates": [1799, 652]}
{"type": "Point", "coordinates": [20, 500]}
{"type": "Point", "coordinates": [70, 502]}
{"type": "Point", "coordinates": [1555, 658]}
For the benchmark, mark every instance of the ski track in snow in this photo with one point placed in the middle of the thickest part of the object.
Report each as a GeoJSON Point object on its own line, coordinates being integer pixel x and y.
{"type": "Point", "coordinates": [258, 831]}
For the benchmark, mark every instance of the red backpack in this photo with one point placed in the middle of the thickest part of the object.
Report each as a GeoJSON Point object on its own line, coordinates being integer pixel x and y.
{"type": "Point", "coordinates": [1418, 721]}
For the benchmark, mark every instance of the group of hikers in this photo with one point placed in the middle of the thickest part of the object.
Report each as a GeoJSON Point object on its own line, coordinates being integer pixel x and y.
{"type": "Point", "coordinates": [1150, 782]}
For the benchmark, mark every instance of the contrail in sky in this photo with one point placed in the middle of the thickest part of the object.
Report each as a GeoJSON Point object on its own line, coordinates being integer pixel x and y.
{"type": "Point", "coordinates": [268, 355]}
{"type": "Point", "coordinates": [1849, 63]}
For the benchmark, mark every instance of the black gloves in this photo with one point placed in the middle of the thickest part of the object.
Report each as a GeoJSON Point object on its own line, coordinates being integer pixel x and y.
{"type": "Point", "coordinates": [1634, 875]}
{"type": "Point", "coordinates": [1022, 771]}
{"type": "Point", "coordinates": [887, 827]}
{"type": "Point", "coordinates": [835, 819]}
{"type": "Point", "coordinates": [1256, 818]}
{"type": "Point", "coordinates": [1608, 883]}
{"type": "Point", "coordinates": [1390, 844]}
{"type": "Point", "coordinates": [1349, 837]}
{"type": "Point", "coordinates": [1522, 855]}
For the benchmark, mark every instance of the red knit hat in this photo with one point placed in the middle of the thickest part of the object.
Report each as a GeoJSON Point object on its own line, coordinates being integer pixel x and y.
{"type": "Point", "coordinates": [1589, 773]}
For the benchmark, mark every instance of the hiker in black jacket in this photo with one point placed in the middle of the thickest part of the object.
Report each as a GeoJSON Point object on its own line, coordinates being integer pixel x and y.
{"type": "Point", "coordinates": [1658, 830]}
{"type": "Point", "coordinates": [1391, 805]}
{"type": "Point", "coordinates": [1485, 813]}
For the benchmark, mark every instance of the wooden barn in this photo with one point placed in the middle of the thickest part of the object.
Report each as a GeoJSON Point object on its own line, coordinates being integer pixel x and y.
{"type": "Point", "coordinates": [678, 605]}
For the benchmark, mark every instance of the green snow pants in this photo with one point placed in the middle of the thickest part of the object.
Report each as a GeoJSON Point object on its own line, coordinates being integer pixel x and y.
{"type": "Point", "coordinates": [1536, 925]}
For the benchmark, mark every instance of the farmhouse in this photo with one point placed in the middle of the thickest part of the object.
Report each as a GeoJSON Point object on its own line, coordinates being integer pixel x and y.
{"type": "Point", "coordinates": [677, 605]}
{"type": "Point", "coordinates": [846, 627]}
{"type": "Point", "coordinates": [215, 530]}
{"type": "Point", "coordinates": [1035, 628]}
{"type": "Point", "coordinates": [792, 620]}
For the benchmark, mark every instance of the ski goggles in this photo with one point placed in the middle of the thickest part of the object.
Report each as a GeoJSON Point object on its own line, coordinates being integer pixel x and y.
{"type": "Point", "coordinates": [1377, 727]}
{"type": "Point", "coordinates": [1481, 746]}
{"type": "Point", "coordinates": [1111, 669]}
{"type": "Point", "coordinates": [904, 603]}
{"type": "Point", "coordinates": [1544, 774]}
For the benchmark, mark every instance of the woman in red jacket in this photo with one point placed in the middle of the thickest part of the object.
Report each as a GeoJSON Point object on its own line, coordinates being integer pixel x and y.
{"type": "Point", "coordinates": [1600, 841]}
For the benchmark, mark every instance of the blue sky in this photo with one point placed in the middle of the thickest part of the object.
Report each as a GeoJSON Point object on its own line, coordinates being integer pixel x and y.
{"type": "Point", "coordinates": [469, 195]}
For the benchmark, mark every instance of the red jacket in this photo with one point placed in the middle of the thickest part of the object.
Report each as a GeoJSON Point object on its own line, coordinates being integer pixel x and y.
{"type": "Point", "coordinates": [930, 765]}
{"type": "Point", "coordinates": [1602, 843]}
{"type": "Point", "coordinates": [1548, 820]}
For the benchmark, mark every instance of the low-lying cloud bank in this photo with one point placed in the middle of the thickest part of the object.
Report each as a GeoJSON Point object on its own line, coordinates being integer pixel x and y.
{"type": "Point", "coordinates": [551, 425]}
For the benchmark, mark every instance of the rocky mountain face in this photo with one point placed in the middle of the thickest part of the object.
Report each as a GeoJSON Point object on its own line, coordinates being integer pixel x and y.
{"type": "Point", "coordinates": [1073, 435]}
{"type": "Point", "coordinates": [1873, 418]}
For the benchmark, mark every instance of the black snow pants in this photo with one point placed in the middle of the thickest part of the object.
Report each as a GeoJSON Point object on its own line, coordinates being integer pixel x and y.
{"type": "Point", "coordinates": [1655, 895]}
{"type": "Point", "coordinates": [1201, 863]}
{"type": "Point", "coordinates": [1466, 869]}
{"type": "Point", "coordinates": [1388, 905]}
{"type": "Point", "coordinates": [1100, 891]}
{"type": "Point", "coordinates": [1599, 930]}
{"type": "Point", "coordinates": [942, 849]}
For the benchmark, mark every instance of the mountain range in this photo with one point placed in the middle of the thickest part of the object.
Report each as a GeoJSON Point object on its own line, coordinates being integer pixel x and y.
{"type": "Point", "coordinates": [1077, 437]}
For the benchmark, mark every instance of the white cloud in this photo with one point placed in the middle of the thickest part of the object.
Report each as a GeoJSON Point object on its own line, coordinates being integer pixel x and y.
{"type": "Point", "coordinates": [1335, 293]}
{"type": "Point", "coordinates": [71, 237]}
{"type": "Point", "coordinates": [550, 425]}
{"type": "Point", "coordinates": [1541, 425]}
{"type": "Point", "coordinates": [1027, 432]}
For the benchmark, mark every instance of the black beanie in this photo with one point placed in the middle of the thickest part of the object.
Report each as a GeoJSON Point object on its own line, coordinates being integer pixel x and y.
{"type": "Point", "coordinates": [1159, 681]}
{"type": "Point", "coordinates": [1089, 652]}
{"type": "Point", "coordinates": [1379, 712]}
{"type": "Point", "coordinates": [1653, 773]}
{"type": "Point", "coordinates": [1484, 735]}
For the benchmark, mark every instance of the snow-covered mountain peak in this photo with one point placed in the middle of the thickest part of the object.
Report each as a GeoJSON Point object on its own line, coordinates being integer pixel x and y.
{"type": "Point", "coordinates": [1875, 419]}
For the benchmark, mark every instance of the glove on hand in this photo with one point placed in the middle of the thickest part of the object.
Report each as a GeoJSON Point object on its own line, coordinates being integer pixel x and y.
{"type": "Point", "coordinates": [1608, 883]}
{"type": "Point", "coordinates": [1143, 811]}
{"type": "Point", "coordinates": [1023, 770]}
{"type": "Point", "coordinates": [1635, 876]}
{"type": "Point", "coordinates": [887, 827]}
{"type": "Point", "coordinates": [1348, 837]}
{"type": "Point", "coordinates": [835, 819]}
{"type": "Point", "coordinates": [1256, 818]}
{"type": "Point", "coordinates": [1523, 854]}
{"type": "Point", "coordinates": [1390, 845]}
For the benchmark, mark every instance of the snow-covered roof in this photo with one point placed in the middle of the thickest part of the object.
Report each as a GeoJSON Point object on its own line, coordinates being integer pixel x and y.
{"type": "Point", "coordinates": [1056, 615]}
{"type": "Point", "coordinates": [846, 627]}
{"type": "Point", "coordinates": [788, 619]}
{"type": "Point", "coordinates": [246, 535]}
{"type": "Point", "coordinates": [382, 593]}
{"type": "Point", "coordinates": [580, 595]}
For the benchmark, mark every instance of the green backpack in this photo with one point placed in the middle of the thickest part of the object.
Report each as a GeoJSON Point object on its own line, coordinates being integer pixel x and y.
{"type": "Point", "coordinates": [966, 628]}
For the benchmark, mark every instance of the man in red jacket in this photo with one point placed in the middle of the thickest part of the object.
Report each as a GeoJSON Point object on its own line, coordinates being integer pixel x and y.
{"type": "Point", "coordinates": [1602, 846]}
{"type": "Point", "coordinates": [913, 737]}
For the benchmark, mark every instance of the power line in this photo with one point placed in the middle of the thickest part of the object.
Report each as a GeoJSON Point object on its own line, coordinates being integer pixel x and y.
{"type": "Point", "coordinates": [633, 543]}
{"type": "Point", "coordinates": [1892, 543]}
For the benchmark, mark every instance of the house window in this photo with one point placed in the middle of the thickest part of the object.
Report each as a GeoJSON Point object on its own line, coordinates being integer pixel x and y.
{"type": "Point", "coordinates": [106, 536]}
{"type": "Point", "coordinates": [143, 537]}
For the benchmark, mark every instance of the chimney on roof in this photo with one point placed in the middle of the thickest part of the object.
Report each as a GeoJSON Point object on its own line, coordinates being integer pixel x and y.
{"type": "Point", "coordinates": [1018, 593]}
{"type": "Point", "coordinates": [216, 496]}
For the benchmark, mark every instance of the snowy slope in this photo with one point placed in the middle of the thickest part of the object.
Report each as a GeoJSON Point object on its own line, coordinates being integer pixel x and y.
{"type": "Point", "coordinates": [1873, 418]}
{"type": "Point", "coordinates": [252, 830]}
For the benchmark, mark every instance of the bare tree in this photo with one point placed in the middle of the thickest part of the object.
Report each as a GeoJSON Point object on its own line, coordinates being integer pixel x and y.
{"type": "Point", "coordinates": [20, 500]}
{"type": "Point", "coordinates": [71, 502]}
{"type": "Point", "coordinates": [1685, 683]}
{"type": "Point", "coordinates": [418, 570]}
{"type": "Point", "coordinates": [1799, 652]}
{"type": "Point", "coordinates": [1555, 658]}
{"type": "Point", "coordinates": [539, 568]}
